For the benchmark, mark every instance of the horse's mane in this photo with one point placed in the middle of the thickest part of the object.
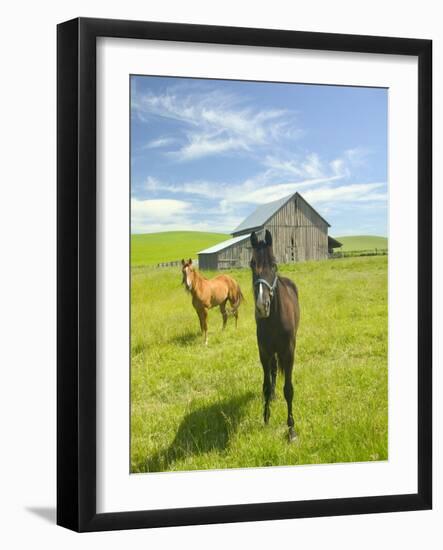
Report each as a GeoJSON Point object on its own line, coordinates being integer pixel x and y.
{"type": "Point", "coordinates": [198, 278]}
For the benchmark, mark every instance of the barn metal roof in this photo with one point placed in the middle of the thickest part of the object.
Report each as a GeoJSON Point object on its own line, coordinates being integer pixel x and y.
{"type": "Point", "coordinates": [333, 243]}
{"type": "Point", "coordinates": [265, 211]}
{"type": "Point", "coordinates": [224, 244]}
{"type": "Point", "coordinates": [262, 214]}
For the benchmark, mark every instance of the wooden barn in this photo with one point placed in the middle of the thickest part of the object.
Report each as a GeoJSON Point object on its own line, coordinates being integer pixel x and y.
{"type": "Point", "coordinates": [298, 231]}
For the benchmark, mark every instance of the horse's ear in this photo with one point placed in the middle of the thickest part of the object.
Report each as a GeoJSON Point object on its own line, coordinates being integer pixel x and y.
{"type": "Point", "coordinates": [254, 240]}
{"type": "Point", "coordinates": [183, 261]}
{"type": "Point", "coordinates": [268, 238]}
{"type": "Point", "coordinates": [190, 261]}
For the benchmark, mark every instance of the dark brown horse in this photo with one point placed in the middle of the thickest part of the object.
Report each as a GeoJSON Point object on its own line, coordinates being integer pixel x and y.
{"type": "Point", "coordinates": [277, 314]}
{"type": "Point", "coordinates": [209, 293]}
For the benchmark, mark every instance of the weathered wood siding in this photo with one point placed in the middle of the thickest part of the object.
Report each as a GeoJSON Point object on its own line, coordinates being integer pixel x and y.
{"type": "Point", "coordinates": [208, 261]}
{"type": "Point", "coordinates": [298, 233]}
{"type": "Point", "coordinates": [237, 255]}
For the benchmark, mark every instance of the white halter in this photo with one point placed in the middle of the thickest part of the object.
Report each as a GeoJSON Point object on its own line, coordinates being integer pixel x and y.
{"type": "Point", "coordinates": [271, 287]}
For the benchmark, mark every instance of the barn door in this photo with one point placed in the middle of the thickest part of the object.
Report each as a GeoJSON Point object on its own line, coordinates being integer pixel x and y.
{"type": "Point", "coordinates": [293, 253]}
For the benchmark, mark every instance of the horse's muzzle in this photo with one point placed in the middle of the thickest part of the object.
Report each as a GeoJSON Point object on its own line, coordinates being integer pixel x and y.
{"type": "Point", "coordinates": [263, 309]}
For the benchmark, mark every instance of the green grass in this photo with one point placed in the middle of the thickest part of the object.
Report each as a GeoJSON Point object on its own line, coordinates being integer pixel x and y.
{"type": "Point", "coordinates": [152, 248]}
{"type": "Point", "coordinates": [196, 407]}
{"type": "Point", "coordinates": [361, 242]}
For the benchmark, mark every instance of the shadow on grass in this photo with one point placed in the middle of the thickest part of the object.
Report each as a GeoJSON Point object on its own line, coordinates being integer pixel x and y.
{"type": "Point", "coordinates": [206, 429]}
{"type": "Point", "coordinates": [186, 339]}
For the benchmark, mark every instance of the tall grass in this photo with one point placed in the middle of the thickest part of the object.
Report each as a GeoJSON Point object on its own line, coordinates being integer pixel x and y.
{"type": "Point", "coordinates": [196, 407]}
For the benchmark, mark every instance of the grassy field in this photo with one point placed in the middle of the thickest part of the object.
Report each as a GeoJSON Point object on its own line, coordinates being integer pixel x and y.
{"type": "Point", "coordinates": [152, 248]}
{"type": "Point", "coordinates": [362, 242]}
{"type": "Point", "coordinates": [196, 407]}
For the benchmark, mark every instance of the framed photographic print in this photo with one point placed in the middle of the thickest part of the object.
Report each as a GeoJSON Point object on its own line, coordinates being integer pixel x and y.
{"type": "Point", "coordinates": [244, 274]}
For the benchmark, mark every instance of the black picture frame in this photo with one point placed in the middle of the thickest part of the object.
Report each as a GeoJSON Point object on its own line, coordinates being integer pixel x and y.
{"type": "Point", "coordinates": [76, 273]}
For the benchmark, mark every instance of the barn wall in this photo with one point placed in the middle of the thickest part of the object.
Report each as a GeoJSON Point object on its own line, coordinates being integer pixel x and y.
{"type": "Point", "coordinates": [207, 261]}
{"type": "Point", "coordinates": [298, 233]}
{"type": "Point", "coordinates": [237, 255]}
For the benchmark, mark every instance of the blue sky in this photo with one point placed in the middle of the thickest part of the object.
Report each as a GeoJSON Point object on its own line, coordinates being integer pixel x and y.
{"type": "Point", "coordinates": [206, 153]}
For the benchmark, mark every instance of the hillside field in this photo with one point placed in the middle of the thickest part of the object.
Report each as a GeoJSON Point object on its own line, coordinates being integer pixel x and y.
{"type": "Point", "coordinates": [362, 242]}
{"type": "Point", "coordinates": [152, 248]}
{"type": "Point", "coordinates": [195, 407]}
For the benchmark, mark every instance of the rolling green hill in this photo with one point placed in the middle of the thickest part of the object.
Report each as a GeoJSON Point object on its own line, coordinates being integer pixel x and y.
{"type": "Point", "coordinates": [362, 242]}
{"type": "Point", "coordinates": [152, 248]}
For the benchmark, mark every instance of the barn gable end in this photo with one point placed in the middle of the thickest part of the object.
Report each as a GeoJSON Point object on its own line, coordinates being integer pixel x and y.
{"type": "Point", "coordinates": [299, 232]}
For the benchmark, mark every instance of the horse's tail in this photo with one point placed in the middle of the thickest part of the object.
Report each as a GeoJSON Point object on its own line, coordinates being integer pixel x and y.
{"type": "Point", "coordinates": [235, 297]}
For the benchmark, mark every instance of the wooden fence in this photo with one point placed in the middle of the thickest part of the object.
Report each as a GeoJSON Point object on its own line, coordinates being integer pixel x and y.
{"type": "Point", "coordinates": [353, 253]}
{"type": "Point", "coordinates": [175, 263]}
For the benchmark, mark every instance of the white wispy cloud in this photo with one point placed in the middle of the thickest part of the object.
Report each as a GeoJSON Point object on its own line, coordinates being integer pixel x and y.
{"type": "Point", "coordinates": [357, 156]}
{"type": "Point", "coordinates": [227, 204]}
{"type": "Point", "coordinates": [215, 122]}
{"type": "Point", "coordinates": [339, 167]}
{"type": "Point", "coordinates": [158, 208]}
{"type": "Point", "coordinates": [268, 185]}
{"type": "Point", "coordinates": [312, 166]}
{"type": "Point", "coordinates": [357, 192]}
{"type": "Point", "coordinates": [157, 212]}
{"type": "Point", "coordinates": [247, 192]}
{"type": "Point", "coordinates": [202, 145]}
{"type": "Point", "coordinates": [148, 226]}
{"type": "Point", "coordinates": [159, 143]}
{"type": "Point", "coordinates": [154, 215]}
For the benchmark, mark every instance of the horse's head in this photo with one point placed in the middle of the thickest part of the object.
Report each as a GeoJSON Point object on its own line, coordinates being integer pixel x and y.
{"type": "Point", "coordinates": [187, 273]}
{"type": "Point", "coordinates": [264, 274]}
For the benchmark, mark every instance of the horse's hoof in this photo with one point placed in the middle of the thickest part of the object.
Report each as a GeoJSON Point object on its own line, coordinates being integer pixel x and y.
{"type": "Point", "coordinates": [292, 436]}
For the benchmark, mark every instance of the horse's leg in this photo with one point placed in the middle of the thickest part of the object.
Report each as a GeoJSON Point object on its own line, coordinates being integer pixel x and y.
{"type": "Point", "coordinates": [224, 314]}
{"type": "Point", "coordinates": [200, 318]}
{"type": "Point", "coordinates": [234, 306]}
{"type": "Point", "coordinates": [273, 375]}
{"type": "Point", "coordinates": [287, 362]}
{"type": "Point", "coordinates": [204, 322]}
{"type": "Point", "coordinates": [266, 361]}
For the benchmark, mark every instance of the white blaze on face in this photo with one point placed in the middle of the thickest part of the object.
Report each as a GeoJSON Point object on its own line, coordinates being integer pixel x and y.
{"type": "Point", "coordinates": [261, 307]}
{"type": "Point", "coordinates": [188, 278]}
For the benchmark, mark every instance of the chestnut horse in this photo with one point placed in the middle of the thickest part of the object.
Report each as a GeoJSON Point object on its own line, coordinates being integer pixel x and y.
{"type": "Point", "coordinates": [277, 314]}
{"type": "Point", "coordinates": [209, 293]}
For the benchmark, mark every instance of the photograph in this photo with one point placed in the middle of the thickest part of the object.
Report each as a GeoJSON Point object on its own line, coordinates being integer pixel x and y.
{"type": "Point", "coordinates": [259, 274]}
